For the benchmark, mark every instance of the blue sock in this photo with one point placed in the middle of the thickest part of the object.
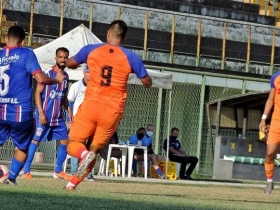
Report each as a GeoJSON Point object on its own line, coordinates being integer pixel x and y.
{"type": "Point", "coordinates": [16, 167]}
{"type": "Point", "coordinates": [135, 166]}
{"type": "Point", "coordinates": [31, 152]}
{"type": "Point", "coordinates": [61, 156]}
{"type": "Point", "coordinates": [159, 171]}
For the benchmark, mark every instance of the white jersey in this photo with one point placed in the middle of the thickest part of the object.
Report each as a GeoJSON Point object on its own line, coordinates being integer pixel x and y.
{"type": "Point", "coordinates": [76, 94]}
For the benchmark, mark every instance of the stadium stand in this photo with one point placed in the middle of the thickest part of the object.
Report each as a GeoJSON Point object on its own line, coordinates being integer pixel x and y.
{"type": "Point", "coordinates": [213, 8]}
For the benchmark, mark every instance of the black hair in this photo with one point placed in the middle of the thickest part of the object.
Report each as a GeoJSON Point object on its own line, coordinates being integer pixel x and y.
{"type": "Point", "coordinates": [16, 32]}
{"type": "Point", "coordinates": [174, 129]}
{"type": "Point", "coordinates": [62, 49]}
{"type": "Point", "coordinates": [119, 28]}
{"type": "Point", "coordinates": [141, 129]}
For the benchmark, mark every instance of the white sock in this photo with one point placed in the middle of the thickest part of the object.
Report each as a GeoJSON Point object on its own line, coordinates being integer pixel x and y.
{"type": "Point", "coordinates": [83, 153]}
{"type": "Point", "coordinates": [269, 180]}
{"type": "Point", "coordinates": [70, 185]}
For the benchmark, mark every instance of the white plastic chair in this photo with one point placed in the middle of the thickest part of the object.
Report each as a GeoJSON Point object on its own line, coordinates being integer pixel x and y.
{"type": "Point", "coordinates": [117, 166]}
{"type": "Point", "coordinates": [68, 157]}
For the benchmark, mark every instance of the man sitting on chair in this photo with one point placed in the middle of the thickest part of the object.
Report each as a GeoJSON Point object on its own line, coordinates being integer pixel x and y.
{"type": "Point", "coordinates": [177, 154]}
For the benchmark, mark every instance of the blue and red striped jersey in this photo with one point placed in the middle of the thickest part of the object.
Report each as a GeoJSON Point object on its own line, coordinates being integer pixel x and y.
{"type": "Point", "coordinates": [17, 66]}
{"type": "Point", "coordinates": [52, 98]}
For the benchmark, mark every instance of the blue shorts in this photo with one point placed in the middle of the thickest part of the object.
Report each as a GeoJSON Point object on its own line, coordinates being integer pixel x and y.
{"type": "Point", "coordinates": [21, 133]}
{"type": "Point", "coordinates": [44, 132]}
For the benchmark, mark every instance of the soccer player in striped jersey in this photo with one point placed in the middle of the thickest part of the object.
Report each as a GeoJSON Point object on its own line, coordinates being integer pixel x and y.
{"type": "Point", "coordinates": [17, 66]}
{"type": "Point", "coordinates": [49, 117]}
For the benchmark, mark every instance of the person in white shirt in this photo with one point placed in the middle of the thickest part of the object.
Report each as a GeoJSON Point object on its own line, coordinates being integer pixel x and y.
{"type": "Point", "coordinates": [75, 97]}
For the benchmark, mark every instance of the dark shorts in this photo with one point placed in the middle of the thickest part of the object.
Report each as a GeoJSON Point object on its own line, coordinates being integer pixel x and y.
{"type": "Point", "coordinates": [21, 133]}
{"type": "Point", "coordinates": [141, 151]}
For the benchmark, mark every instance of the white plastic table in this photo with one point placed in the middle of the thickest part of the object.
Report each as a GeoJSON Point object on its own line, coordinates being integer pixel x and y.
{"type": "Point", "coordinates": [130, 159]}
{"type": "Point", "coordinates": [124, 153]}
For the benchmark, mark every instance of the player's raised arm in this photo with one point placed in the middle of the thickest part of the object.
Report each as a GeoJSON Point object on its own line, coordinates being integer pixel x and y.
{"type": "Point", "coordinates": [42, 78]}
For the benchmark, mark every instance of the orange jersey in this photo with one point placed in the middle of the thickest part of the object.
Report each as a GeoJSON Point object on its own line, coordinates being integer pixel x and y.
{"type": "Point", "coordinates": [109, 68]}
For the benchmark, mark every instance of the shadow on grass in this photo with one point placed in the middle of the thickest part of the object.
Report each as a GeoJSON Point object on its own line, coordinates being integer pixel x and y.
{"type": "Point", "coordinates": [216, 199]}
{"type": "Point", "coordinates": [11, 199]}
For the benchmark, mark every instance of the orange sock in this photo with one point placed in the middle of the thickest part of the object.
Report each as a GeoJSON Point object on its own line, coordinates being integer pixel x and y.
{"type": "Point", "coordinates": [269, 167]}
{"type": "Point", "coordinates": [76, 149]}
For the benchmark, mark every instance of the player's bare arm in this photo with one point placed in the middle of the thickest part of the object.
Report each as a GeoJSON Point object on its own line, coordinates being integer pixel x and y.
{"type": "Point", "coordinates": [147, 81]}
{"type": "Point", "coordinates": [268, 106]}
{"type": "Point", "coordinates": [42, 78]}
{"type": "Point", "coordinates": [68, 108]}
{"type": "Point", "coordinates": [72, 64]}
{"type": "Point", "coordinates": [39, 104]}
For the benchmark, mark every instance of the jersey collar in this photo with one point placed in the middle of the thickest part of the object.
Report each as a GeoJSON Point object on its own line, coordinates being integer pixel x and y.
{"type": "Point", "coordinates": [13, 47]}
{"type": "Point", "coordinates": [54, 69]}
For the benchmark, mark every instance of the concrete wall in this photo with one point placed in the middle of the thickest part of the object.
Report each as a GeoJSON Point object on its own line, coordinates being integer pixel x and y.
{"type": "Point", "coordinates": [161, 22]}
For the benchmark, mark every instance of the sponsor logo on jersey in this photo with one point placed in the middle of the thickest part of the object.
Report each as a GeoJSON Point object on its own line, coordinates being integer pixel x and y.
{"type": "Point", "coordinates": [9, 59]}
{"type": "Point", "coordinates": [39, 131]}
{"type": "Point", "coordinates": [53, 94]}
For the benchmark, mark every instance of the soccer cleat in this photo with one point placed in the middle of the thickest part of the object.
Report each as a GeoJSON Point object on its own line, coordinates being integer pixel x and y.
{"type": "Point", "coordinates": [269, 187]}
{"type": "Point", "coordinates": [69, 188]}
{"type": "Point", "coordinates": [27, 176]}
{"type": "Point", "coordinates": [83, 165]}
{"type": "Point", "coordinates": [10, 182]}
{"type": "Point", "coordinates": [62, 175]}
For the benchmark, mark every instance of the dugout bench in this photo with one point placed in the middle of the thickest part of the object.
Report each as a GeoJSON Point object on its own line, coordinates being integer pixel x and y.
{"type": "Point", "coordinates": [241, 159]}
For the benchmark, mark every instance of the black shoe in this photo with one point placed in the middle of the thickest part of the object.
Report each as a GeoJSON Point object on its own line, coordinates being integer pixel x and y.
{"type": "Point", "coordinates": [10, 182]}
{"type": "Point", "coordinates": [89, 179]}
{"type": "Point", "coordinates": [186, 177]}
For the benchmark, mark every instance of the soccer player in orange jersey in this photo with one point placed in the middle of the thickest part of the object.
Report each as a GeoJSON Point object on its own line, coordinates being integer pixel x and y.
{"type": "Point", "coordinates": [99, 115]}
{"type": "Point", "coordinates": [273, 140]}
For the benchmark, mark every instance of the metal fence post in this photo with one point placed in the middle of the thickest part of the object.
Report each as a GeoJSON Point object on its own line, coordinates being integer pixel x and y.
{"type": "Point", "coordinates": [146, 36]}
{"type": "Point", "coordinates": [272, 52]}
{"type": "Point", "coordinates": [90, 16]}
{"type": "Point", "coordinates": [244, 86]}
{"type": "Point", "coordinates": [158, 128]}
{"type": "Point", "coordinates": [224, 46]}
{"type": "Point", "coordinates": [31, 24]}
{"type": "Point", "coordinates": [248, 50]}
{"type": "Point", "coordinates": [200, 122]}
{"type": "Point", "coordinates": [198, 43]}
{"type": "Point", "coordinates": [119, 13]}
{"type": "Point", "coordinates": [172, 39]}
{"type": "Point", "coordinates": [61, 17]}
{"type": "Point", "coordinates": [1, 14]}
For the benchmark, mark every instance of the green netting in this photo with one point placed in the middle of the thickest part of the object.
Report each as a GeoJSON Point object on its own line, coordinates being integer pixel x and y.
{"type": "Point", "coordinates": [140, 110]}
{"type": "Point", "coordinates": [184, 114]}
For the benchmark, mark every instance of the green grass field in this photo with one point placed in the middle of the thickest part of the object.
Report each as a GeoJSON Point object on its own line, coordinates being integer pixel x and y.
{"type": "Point", "coordinates": [47, 193]}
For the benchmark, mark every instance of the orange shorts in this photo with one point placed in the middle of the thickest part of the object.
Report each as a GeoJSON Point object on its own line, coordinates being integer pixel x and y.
{"type": "Point", "coordinates": [274, 132]}
{"type": "Point", "coordinates": [95, 119]}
